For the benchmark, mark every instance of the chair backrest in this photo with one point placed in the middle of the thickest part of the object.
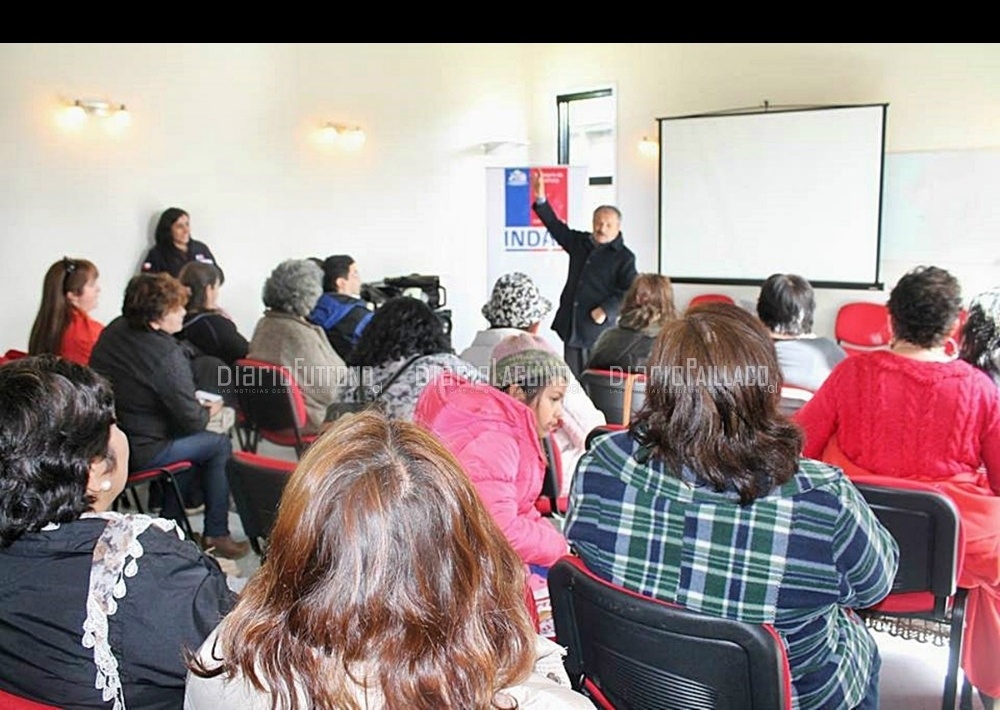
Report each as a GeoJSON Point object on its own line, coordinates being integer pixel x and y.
{"type": "Point", "coordinates": [551, 501]}
{"type": "Point", "coordinates": [257, 483]}
{"type": "Point", "coordinates": [8, 701]}
{"type": "Point", "coordinates": [270, 401]}
{"type": "Point", "coordinates": [12, 354]}
{"type": "Point", "coordinates": [631, 652]}
{"type": "Point", "coordinates": [598, 430]}
{"type": "Point", "coordinates": [927, 527]}
{"type": "Point", "coordinates": [618, 394]}
{"type": "Point", "coordinates": [863, 326]}
{"type": "Point", "coordinates": [710, 298]}
{"type": "Point", "coordinates": [793, 399]}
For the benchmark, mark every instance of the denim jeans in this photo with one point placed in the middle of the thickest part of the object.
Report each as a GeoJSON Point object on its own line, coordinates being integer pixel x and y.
{"type": "Point", "coordinates": [870, 701]}
{"type": "Point", "coordinates": [209, 452]}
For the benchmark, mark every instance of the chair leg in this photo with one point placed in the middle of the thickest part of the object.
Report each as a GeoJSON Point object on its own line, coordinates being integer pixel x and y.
{"type": "Point", "coordinates": [135, 499]}
{"type": "Point", "coordinates": [185, 523]}
{"type": "Point", "coordinates": [965, 701]}
{"type": "Point", "coordinates": [955, 634]}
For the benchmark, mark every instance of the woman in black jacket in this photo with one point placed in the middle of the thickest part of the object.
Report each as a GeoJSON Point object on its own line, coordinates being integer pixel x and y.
{"type": "Point", "coordinates": [96, 607]}
{"type": "Point", "coordinates": [206, 326]}
{"type": "Point", "coordinates": [156, 401]}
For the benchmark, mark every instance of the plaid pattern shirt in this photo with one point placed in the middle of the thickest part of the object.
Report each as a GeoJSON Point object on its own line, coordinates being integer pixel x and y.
{"type": "Point", "coordinates": [799, 558]}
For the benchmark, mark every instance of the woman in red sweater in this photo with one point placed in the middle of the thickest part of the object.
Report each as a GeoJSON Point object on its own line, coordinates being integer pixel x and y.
{"type": "Point", "coordinates": [63, 325]}
{"type": "Point", "coordinates": [914, 412]}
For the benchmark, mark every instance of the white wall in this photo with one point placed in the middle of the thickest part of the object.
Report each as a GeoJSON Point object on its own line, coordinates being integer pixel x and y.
{"type": "Point", "coordinates": [223, 131]}
{"type": "Point", "coordinates": [940, 96]}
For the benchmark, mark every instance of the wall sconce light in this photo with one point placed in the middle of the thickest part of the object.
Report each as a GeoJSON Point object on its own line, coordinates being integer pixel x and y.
{"type": "Point", "coordinates": [649, 147]}
{"type": "Point", "coordinates": [346, 137]}
{"type": "Point", "coordinates": [78, 111]}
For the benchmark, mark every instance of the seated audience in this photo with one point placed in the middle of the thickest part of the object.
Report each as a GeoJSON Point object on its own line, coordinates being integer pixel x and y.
{"type": "Point", "coordinates": [340, 311]}
{"type": "Point", "coordinates": [285, 337]}
{"type": "Point", "coordinates": [786, 305]}
{"type": "Point", "coordinates": [156, 402]}
{"type": "Point", "coordinates": [981, 334]}
{"type": "Point", "coordinates": [387, 585]}
{"type": "Point", "coordinates": [403, 348]}
{"type": "Point", "coordinates": [206, 326]}
{"type": "Point", "coordinates": [174, 246]}
{"type": "Point", "coordinates": [63, 325]}
{"type": "Point", "coordinates": [648, 305]}
{"type": "Point", "coordinates": [496, 431]}
{"type": "Point", "coordinates": [97, 607]}
{"type": "Point", "coordinates": [705, 502]}
{"type": "Point", "coordinates": [913, 412]}
{"type": "Point", "coordinates": [516, 306]}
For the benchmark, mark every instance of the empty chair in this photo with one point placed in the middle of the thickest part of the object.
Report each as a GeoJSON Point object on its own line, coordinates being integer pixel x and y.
{"type": "Point", "coordinates": [926, 526]}
{"type": "Point", "coordinates": [710, 298]}
{"type": "Point", "coordinates": [271, 406]}
{"type": "Point", "coordinates": [616, 393]}
{"type": "Point", "coordinates": [257, 483]}
{"type": "Point", "coordinates": [631, 652]}
{"type": "Point", "coordinates": [862, 326]}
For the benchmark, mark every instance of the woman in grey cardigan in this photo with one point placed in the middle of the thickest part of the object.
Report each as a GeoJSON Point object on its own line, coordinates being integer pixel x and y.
{"type": "Point", "coordinates": [284, 336]}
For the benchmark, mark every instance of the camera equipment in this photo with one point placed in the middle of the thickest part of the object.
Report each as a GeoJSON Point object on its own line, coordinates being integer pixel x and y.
{"type": "Point", "coordinates": [425, 287]}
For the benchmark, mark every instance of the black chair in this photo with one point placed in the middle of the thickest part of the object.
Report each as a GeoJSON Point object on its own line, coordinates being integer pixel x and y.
{"type": "Point", "coordinates": [601, 429]}
{"type": "Point", "coordinates": [630, 652]}
{"type": "Point", "coordinates": [616, 393]}
{"type": "Point", "coordinates": [270, 406]}
{"type": "Point", "coordinates": [166, 475]}
{"type": "Point", "coordinates": [927, 528]}
{"type": "Point", "coordinates": [257, 483]}
{"type": "Point", "coordinates": [551, 501]}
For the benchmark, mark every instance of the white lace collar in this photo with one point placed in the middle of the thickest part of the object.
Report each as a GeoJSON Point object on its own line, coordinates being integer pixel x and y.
{"type": "Point", "coordinates": [116, 557]}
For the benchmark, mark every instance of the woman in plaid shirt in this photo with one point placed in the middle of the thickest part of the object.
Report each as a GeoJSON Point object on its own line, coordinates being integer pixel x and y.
{"type": "Point", "coordinates": [706, 502]}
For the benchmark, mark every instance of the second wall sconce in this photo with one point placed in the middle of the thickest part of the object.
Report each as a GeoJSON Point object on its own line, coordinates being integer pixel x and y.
{"type": "Point", "coordinates": [77, 112]}
{"type": "Point", "coordinates": [649, 147]}
{"type": "Point", "coordinates": [346, 137]}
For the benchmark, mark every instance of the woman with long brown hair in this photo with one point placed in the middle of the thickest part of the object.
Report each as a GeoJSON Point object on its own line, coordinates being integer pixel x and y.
{"type": "Point", "coordinates": [63, 325]}
{"type": "Point", "coordinates": [387, 585]}
{"type": "Point", "coordinates": [706, 502]}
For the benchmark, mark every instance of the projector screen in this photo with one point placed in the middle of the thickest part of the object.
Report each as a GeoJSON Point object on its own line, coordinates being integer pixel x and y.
{"type": "Point", "coordinates": [746, 195]}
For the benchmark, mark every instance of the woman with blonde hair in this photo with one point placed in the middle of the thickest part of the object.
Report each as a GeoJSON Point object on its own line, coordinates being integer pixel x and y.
{"type": "Point", "coordinates": [63, 325]}
{"type": "Point", "coordinates": [387, 585]}
{"type": "Point", "coordinates": [647, 307]}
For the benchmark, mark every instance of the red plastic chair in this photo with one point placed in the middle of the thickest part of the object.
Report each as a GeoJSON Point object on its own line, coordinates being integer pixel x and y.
{"type": "Point", "coordinates": [12, 354]}
{"type": "Point", "coordinates": [627, 651]}
{"type": "Point", "coordinates": [270, 406]}
{"type": "Point", "coordinates": [863, 327]}
{"type": "Point", "coordinates": [710, 298]}
{"type": "Point", "coordinates": [8, 701]}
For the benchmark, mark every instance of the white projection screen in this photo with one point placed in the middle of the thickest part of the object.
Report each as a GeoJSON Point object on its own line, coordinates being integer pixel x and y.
{"type": "Point", "coordinates": [745, 195]}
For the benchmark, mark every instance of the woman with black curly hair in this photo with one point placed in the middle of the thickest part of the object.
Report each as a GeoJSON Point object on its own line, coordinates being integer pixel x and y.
{"type": "Point", "coordinates": [914, 412]}
{"type": "Point", "coordinates": [98, 606]}
{"type": "Point", "coordinates": [981, 334]}
{"type": "Point", "coordinates": [402, 349]}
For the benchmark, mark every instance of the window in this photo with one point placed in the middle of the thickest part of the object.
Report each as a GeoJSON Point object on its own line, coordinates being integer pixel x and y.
{"type": "Point", "coordinates": [587, 137]}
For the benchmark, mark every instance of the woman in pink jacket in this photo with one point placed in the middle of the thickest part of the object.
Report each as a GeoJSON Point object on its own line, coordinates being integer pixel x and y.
{"type": "Point", "coordinates": [495, 432]}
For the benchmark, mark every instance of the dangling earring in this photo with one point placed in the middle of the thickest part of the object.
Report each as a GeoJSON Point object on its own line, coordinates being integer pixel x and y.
{"type": "Point", "coordinates": [105, 485]}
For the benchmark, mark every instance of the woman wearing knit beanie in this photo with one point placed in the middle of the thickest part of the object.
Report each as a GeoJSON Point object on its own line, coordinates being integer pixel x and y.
{"type": "Point", "coordinates": [495, 432]}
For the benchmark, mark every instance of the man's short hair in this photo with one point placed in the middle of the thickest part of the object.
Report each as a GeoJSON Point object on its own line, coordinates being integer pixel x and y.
{"type": "Point", "coordinates": [335, 267]}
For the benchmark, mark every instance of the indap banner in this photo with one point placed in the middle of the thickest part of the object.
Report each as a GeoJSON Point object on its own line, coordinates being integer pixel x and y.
{"type": "Point", "coordinates": [518, 241]}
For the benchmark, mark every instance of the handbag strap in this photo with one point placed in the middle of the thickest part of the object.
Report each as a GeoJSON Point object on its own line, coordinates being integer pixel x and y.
{"type": "Point", "coordinates": [395, 376]}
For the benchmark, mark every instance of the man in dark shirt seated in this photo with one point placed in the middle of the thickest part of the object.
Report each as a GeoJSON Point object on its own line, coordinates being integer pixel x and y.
{"type": "Point", "coordinates": [340, 311]}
